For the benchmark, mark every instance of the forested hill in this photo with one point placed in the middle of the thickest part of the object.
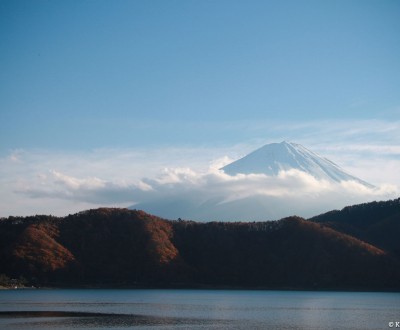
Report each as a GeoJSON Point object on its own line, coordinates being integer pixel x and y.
{"type": "Point", "coordinates": [128, 248]}
{"type": "Point", "coordinates": [377, 223]}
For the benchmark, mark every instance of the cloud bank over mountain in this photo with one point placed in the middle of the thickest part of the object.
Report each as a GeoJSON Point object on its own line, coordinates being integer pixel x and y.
{"type": "Point", "coordinates": [215, 195]}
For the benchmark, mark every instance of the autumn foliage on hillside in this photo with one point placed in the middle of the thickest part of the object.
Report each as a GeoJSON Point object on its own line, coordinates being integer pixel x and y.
{"type": "Point", "coordinates": [120, 247]}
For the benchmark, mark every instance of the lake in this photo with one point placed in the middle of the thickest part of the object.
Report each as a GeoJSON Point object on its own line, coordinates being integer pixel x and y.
{"type": "Point", "coordinates": [196, 309]}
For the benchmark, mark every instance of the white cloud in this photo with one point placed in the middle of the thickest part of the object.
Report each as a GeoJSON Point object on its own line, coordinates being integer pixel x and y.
{"type": "Point", "coordinates": [212, 194]}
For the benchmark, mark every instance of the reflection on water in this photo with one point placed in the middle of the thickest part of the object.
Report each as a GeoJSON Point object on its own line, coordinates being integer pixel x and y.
{"type": "Point", "coordinates": [74, 320]}
{"type": "Point", "coordinates": [195, 309]}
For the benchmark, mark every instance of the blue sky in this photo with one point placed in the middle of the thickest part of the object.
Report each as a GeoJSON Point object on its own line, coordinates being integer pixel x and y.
{"type": "Point", "coordinates": [202, 79]}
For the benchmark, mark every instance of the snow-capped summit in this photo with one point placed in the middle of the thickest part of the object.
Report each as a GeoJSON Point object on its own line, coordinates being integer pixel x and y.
{"type": "Point", "coordinates": [275, 157]}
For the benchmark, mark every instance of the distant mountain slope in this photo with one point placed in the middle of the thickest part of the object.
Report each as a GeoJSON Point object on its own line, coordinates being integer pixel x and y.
{"type": "Point", "coordinates": [275, 157]}
{"type": "Point", "coordinates": [120, 247]}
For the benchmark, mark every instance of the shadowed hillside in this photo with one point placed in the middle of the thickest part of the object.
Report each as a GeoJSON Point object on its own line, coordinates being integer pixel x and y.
{"type": "Point", "coordinates": [288, 253]}
{"type": "Point", "coordinates": [120, 247]}
{"type": "Point", "coordinates": [377, 223]}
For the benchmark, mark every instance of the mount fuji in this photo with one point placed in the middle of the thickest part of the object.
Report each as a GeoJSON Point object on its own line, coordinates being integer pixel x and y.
{"type": "Point", "coordinates": [276, 157]}
{"type": "Point", "coordinates": [272, 182]}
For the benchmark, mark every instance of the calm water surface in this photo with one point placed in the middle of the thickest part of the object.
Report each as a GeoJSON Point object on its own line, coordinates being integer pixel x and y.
{"type": "Point", "coordinates": [196, 309]}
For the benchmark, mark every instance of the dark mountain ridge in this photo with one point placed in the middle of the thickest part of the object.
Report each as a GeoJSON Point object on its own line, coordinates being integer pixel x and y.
{"type": "Point", "coordinates": [377, 223]}
{"type": "Point", "coordinates": [120, 247]}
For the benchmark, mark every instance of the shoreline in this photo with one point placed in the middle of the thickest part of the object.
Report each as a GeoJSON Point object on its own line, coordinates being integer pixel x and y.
{"type": "Point", "coordinates": [197, 287]}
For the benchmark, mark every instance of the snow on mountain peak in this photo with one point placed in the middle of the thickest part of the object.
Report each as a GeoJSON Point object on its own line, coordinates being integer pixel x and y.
{"type": "Point", "coordinates": [273, 158]}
